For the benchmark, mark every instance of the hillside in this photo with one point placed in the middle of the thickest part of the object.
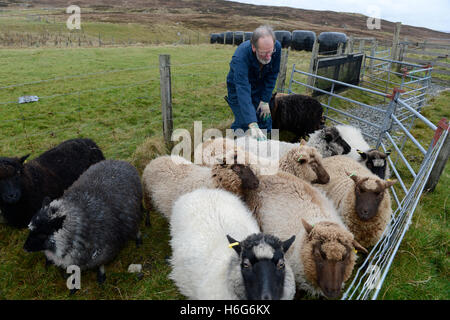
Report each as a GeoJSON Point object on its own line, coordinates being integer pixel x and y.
{"type": "Point", "coordinates": [218, 15]}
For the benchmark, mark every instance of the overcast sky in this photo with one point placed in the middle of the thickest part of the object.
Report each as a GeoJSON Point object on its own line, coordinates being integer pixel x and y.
{"type": "Point", "coordinates": [433, 14]}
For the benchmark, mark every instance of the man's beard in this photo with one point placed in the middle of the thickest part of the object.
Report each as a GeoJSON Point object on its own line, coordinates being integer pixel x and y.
{"type": "Point", "coordinates": [263, 61]}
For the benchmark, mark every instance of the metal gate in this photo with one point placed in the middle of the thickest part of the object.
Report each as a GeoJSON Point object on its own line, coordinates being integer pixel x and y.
{"type": "Point", "coordinates": [385, 117]}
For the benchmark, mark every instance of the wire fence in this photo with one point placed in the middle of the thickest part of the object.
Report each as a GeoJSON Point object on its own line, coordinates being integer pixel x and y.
{"type": "Point", "coordinates": [117, 108]}
{"type": "Point", "coordinates": [387, 126]}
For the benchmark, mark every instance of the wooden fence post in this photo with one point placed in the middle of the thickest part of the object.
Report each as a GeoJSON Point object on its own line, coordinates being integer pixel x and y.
{"type": "Point", "coordinates": [312, 65]}
{"type": "Point", "coordinates": [166, 96]}
{"type": "Point", "coordinates": [441, 160]}
{"type": "Point", "coordinates": [373, 49]}
{"type": "Point", "coordinates": [283, 69]}
{"type": "Point", "coordinates": [394, 50]}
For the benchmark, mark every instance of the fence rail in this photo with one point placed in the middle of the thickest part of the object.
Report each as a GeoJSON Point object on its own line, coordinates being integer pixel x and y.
{"type": "Point", "coordinates": [370, 275]}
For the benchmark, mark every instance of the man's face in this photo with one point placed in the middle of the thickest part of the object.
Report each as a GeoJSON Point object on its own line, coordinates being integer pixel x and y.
{"type": "Point", "coordinates": [264, 50]}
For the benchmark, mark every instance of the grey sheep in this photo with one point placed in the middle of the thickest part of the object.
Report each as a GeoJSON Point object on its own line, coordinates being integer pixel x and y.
{"type": "Point", "coordinates": [92, 221]}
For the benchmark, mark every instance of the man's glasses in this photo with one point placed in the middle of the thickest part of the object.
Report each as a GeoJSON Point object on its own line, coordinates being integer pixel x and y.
{"type": "Point", "coordinates": [265, 53]}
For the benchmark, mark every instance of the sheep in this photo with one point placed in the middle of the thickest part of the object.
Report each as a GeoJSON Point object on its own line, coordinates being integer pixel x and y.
{"type": "Point", "coordinates": [302, 161]}
{"type": "Point", "coordinates": [167, 177]}
{"type": "Point", "coordinates": [362, 198]}
{"type": "Point", "coordinates": [373, 159]}
{"type": "Point", "coordinates": [297, 113]}
{"type": "Point", "coordinates": [328, 142]}
{"type": "Point", "coordinates": [23, 186]}
{"type": "Point", "coordinates": [203, 227]}
{"type": "Point", "coordinates": [322, 256]}
{"type": "Point", "coordinates": [93, 219]}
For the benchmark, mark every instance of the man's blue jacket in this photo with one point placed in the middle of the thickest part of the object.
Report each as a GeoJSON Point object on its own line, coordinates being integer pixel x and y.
{"type": "Point", "coordinates": [249, 82]}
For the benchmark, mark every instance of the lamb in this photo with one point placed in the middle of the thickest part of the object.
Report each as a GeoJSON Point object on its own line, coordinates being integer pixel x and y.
{"type": "Point", "coordinates": [362, 198]}
{"type": "Point", "coordinates": [302, 161]}
{"type": "Point", "coordinates": [166, 178]}
{"type": "Point", "coordinates": [322, 256]}
{"type": "Point", "coordinates": [92, 221]}
{"type": "Point", "coordinates": [203, 264]}
{"type": "Point", "coordinates": [23, 186]}
{"type": "Point", "coordinates": [296, 113]}
{"type": "Point", "coordinates": [328, 142]}
{"type": "Point", "coordinates": [373, 159]}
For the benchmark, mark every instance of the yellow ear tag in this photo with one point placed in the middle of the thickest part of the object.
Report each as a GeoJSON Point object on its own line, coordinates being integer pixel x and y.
{"type": "Point", "coordinates": [388, 180]}
{"type": "Point", "coordinates": [356, 251]}
{"type": "Point", "coordinates": [352, 174]}
{"type": "Point", "coordinates": [231, 245]}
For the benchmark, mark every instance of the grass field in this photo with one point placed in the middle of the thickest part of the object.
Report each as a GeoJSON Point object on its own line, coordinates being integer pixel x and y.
{"type": "Point", "coordinates": [112, 96]}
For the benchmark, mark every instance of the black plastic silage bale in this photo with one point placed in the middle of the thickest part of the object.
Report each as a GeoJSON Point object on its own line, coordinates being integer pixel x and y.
{"type": "Point", "coordinates": [329, 42]}
{"type": "Point", "coordinates": [221, 38]}
{"type": "Point", "coordinates": [247, 35]}
{"type": "Point", "coordinates": [229, 37]}
{"type": "Point", "coordinates": [303, 40]}
{"type": "Point", "coordinates": [284, 37]}
{"type": "Point", "coordinates": [214, 37]}
{"type": "Point", "coordinates": [238, 37]}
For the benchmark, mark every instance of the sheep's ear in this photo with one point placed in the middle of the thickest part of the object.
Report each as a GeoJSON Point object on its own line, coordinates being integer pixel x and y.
{"type": "Point", "coordinates": [234, 244]}
{"type": "Point", "coordinates": [307, 226]}
{"type": "Point", "coordinates": [303, 142]}
{"type": "Point", "coordinates": [389, 183]}
{"type": "Point", "coordinates": [46, 202]}
{"type": "Point", "coordinates": [387, 153]}
{"type": "Point", "coordinates": [22, 159]}
{"type": "Point", "coordinates": [362, 154]}
{"type": "Point", "coordinates": [359, 247]}
{"type": "Point", "coordinates": [287, 244]}
{"type": "Point", "coordinates": [352, 176]}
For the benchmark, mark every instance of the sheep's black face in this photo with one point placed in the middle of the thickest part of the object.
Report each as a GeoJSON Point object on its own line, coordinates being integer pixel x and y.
{"type": "Point", "coordinates": [262, 265]}
{"type": "Point", "coordinates": [10, 189]}
{"type": "Point", "coordinates": [11, 170]}
{"type": "Point", "coordinates": [263, 278]}
{"type": "Point", "coordinates": [336, 144]}
{"type": "Point", "coordinates": [42, 227]}
{"type": "Point", "coordinates": [377, 166]}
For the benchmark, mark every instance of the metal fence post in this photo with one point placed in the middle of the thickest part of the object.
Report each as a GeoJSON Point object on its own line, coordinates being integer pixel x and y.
{"type": "Point", "coordinates": [166, 96]}
{"type": "Point", "coordinates": [387, 121]}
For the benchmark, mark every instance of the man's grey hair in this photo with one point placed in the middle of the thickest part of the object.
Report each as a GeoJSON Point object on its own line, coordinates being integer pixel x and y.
{"type": "Point", "coordinates": [260, 32]}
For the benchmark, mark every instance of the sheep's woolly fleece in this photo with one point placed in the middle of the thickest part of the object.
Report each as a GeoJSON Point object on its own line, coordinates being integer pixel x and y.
{"type": "Point", "coordinates": [168, 177]}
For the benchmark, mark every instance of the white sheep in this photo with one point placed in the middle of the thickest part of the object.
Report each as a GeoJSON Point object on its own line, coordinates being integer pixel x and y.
{"type": "Point", "coordinates": [373, 159]}
{"type": "Point", "coordinates": [203, 264]}
{"type": "Point", "coordinates": [322, 256]}
{"type": "Point", "coordinates": [362, 198]}
{"type": "Point", "coordinates": [167, 177]}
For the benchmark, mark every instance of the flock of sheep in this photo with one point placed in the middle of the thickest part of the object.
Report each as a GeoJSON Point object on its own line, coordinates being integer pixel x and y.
{"type": "Point", "coordinates": [256, 220]}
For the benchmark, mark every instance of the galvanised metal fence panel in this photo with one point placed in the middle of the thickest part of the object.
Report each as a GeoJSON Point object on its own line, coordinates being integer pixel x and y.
{"type": "Point", "coordinates": [389, 130]}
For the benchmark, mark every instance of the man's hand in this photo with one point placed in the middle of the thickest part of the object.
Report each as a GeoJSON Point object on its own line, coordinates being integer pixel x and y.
{"type": "Point", "coordinates": [265, 110]}
{"type": "Point", "coordinates": [255, 132]}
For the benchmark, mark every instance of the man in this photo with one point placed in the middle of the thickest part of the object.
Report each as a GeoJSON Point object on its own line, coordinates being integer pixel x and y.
{"type": "Point", "coordinates": [253, 73]}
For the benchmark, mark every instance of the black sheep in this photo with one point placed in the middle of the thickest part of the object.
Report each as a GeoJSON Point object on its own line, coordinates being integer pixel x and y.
{"type": "Point", "coordinates": [23, 186]}
{"type": "Point", "coordinates": [297, 113]}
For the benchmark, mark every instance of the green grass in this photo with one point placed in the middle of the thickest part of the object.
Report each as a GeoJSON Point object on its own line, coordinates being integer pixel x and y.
{"type": "Point", "coordinates": [120, 110]}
